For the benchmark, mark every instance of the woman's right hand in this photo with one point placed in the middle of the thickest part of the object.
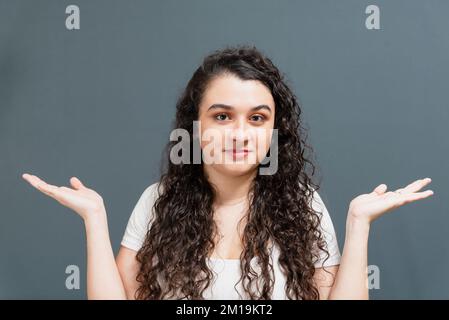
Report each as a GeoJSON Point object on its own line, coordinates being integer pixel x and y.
{"type": "Point", "coordinates": [84, 201]}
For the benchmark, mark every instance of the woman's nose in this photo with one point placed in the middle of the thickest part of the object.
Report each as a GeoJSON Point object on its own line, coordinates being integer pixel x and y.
{"type": "Point", "coordinates": [239, 131]}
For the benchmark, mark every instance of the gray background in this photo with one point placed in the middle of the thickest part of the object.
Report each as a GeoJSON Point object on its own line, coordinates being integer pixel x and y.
{"type": "Point", "coordinates": [98, 102]}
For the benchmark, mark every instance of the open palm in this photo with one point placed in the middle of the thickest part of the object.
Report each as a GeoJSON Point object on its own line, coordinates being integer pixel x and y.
{"type": "Point", "coordinates": [372, 205]}
{"type": "Point", "coordinates": [80, 199]}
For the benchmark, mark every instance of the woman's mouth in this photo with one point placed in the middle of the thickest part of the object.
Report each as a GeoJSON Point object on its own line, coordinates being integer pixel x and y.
{"type": "Point", "coordinates": [241, 153]}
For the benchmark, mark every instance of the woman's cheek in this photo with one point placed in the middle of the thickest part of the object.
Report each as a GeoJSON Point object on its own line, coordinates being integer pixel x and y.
{"type": "Point", "coordinates": [263, 143]}
{"type": "Point", "coordinates": [212, 143]}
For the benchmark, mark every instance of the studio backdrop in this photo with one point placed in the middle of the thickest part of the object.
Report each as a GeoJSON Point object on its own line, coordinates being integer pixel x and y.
{"type": "Point", "coordinates": [88, 89]}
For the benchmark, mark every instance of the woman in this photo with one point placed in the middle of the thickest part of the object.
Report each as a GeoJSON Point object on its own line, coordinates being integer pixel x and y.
{"type": "Point", "coordinates": [221, 229]}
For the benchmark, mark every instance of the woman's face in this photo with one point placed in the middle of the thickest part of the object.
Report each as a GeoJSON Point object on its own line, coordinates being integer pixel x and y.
{"type": "Point", "coordinates": [236, 121]}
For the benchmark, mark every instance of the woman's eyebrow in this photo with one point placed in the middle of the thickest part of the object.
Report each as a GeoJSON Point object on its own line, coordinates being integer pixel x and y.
{"type": "Point", "coordinates": [228, 107]}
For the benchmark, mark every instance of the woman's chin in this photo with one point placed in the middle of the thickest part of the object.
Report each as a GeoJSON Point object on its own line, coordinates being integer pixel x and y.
{"type": "Point", "coordinates": [237, 169]}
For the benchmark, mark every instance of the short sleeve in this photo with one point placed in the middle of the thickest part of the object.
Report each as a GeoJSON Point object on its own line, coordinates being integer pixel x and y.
{"type": "Point", "coordinates": [329, 235]}
{"type": "Point", "coordinates": [139, 220]}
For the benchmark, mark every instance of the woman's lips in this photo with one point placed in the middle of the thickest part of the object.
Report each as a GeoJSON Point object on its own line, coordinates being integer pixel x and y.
{"type": "Point", "coordinates": [238, 153]}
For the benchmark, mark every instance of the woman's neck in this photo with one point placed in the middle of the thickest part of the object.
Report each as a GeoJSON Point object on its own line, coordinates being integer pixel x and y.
{"type": "Point", "coordinates": [230, 190]}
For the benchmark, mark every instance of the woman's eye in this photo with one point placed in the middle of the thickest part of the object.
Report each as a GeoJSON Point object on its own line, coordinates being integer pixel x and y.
{"type": "Point", "coordinates": [257, 118]}
{"type": "Point", "coordinates": [221, 116]}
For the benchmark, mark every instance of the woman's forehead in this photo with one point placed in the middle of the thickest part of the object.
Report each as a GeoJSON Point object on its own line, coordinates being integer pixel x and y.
{"type": "Point", "coordinates": [240, 94]}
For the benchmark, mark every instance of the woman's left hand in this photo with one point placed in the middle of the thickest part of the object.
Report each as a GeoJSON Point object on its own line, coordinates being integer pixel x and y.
{"type": "Point", "coordinates": [369, 207]}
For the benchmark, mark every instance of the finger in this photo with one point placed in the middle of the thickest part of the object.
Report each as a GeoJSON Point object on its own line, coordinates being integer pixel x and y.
{"type": "Point", "coordinates": [401, 199]}
{"type": "Point", "coordinates": [26, 176]}
{"type": "Point", "coordinates": [41, 185]}
{"type": "Point", "coordinates": [35, 181]}
{"type": "Point", "coordinates": [63, 195]}
{"type": "Point", "coordinates": [32, 179]}
{"type": "Point", "coordinates": [380, 189]}
{"type": "Point", "coordinates": [48, 189]}
{"type": "Point", "coordinates": [416, 185]}
{"type": "Point", "coordinates": [76, 183]}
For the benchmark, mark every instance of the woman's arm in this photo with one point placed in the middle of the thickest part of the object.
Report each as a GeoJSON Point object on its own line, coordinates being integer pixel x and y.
{"type": "Point", "coordinates": [128, 267]}
{"type": "Point", "coordinates": [103, 278]}
{"type": "Point", "coordinates": [351, 281]}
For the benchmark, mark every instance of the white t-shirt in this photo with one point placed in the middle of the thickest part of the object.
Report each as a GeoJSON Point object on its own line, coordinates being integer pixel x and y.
{"type": "Point", "coordinates": [227, 271]}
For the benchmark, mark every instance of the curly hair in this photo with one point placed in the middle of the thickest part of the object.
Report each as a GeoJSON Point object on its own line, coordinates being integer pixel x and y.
{"type": "Point", "coordinates": [173, 258]}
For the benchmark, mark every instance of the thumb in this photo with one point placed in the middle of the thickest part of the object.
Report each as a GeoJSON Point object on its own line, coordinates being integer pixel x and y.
{"type": "Point", "coordinates": [76, 183]}
{"type": "Point", "coordinates": [380, 189]}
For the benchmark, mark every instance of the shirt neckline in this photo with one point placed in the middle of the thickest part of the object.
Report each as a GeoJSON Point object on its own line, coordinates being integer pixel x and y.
{"type": "Point", "coordinates": [216, 259]}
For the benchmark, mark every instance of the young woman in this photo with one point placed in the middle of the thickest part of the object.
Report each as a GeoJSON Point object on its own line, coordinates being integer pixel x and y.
{"type": "Point", "coordinates": [222, 229]}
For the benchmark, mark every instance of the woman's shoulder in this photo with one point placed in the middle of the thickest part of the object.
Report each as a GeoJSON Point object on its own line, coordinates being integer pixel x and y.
{"type": "Point", "coordinates": [314, 197]}
{"type": "Point", "coordinates": [151, 190]}
{"type": "Point", "coordinates": [146, 200]}
{"type": "Point", "coordinates": [140, 218]}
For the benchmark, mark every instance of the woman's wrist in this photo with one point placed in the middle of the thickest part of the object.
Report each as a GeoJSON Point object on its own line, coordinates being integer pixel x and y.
{"type": "Point", "coordinates": [96, 218]}
{"type": "Point", "coordinates": [357, 225]}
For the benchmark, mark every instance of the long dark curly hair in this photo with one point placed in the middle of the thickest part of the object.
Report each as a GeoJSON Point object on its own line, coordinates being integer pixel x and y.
{"type": "Point", "coordinates": [181, 233]}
